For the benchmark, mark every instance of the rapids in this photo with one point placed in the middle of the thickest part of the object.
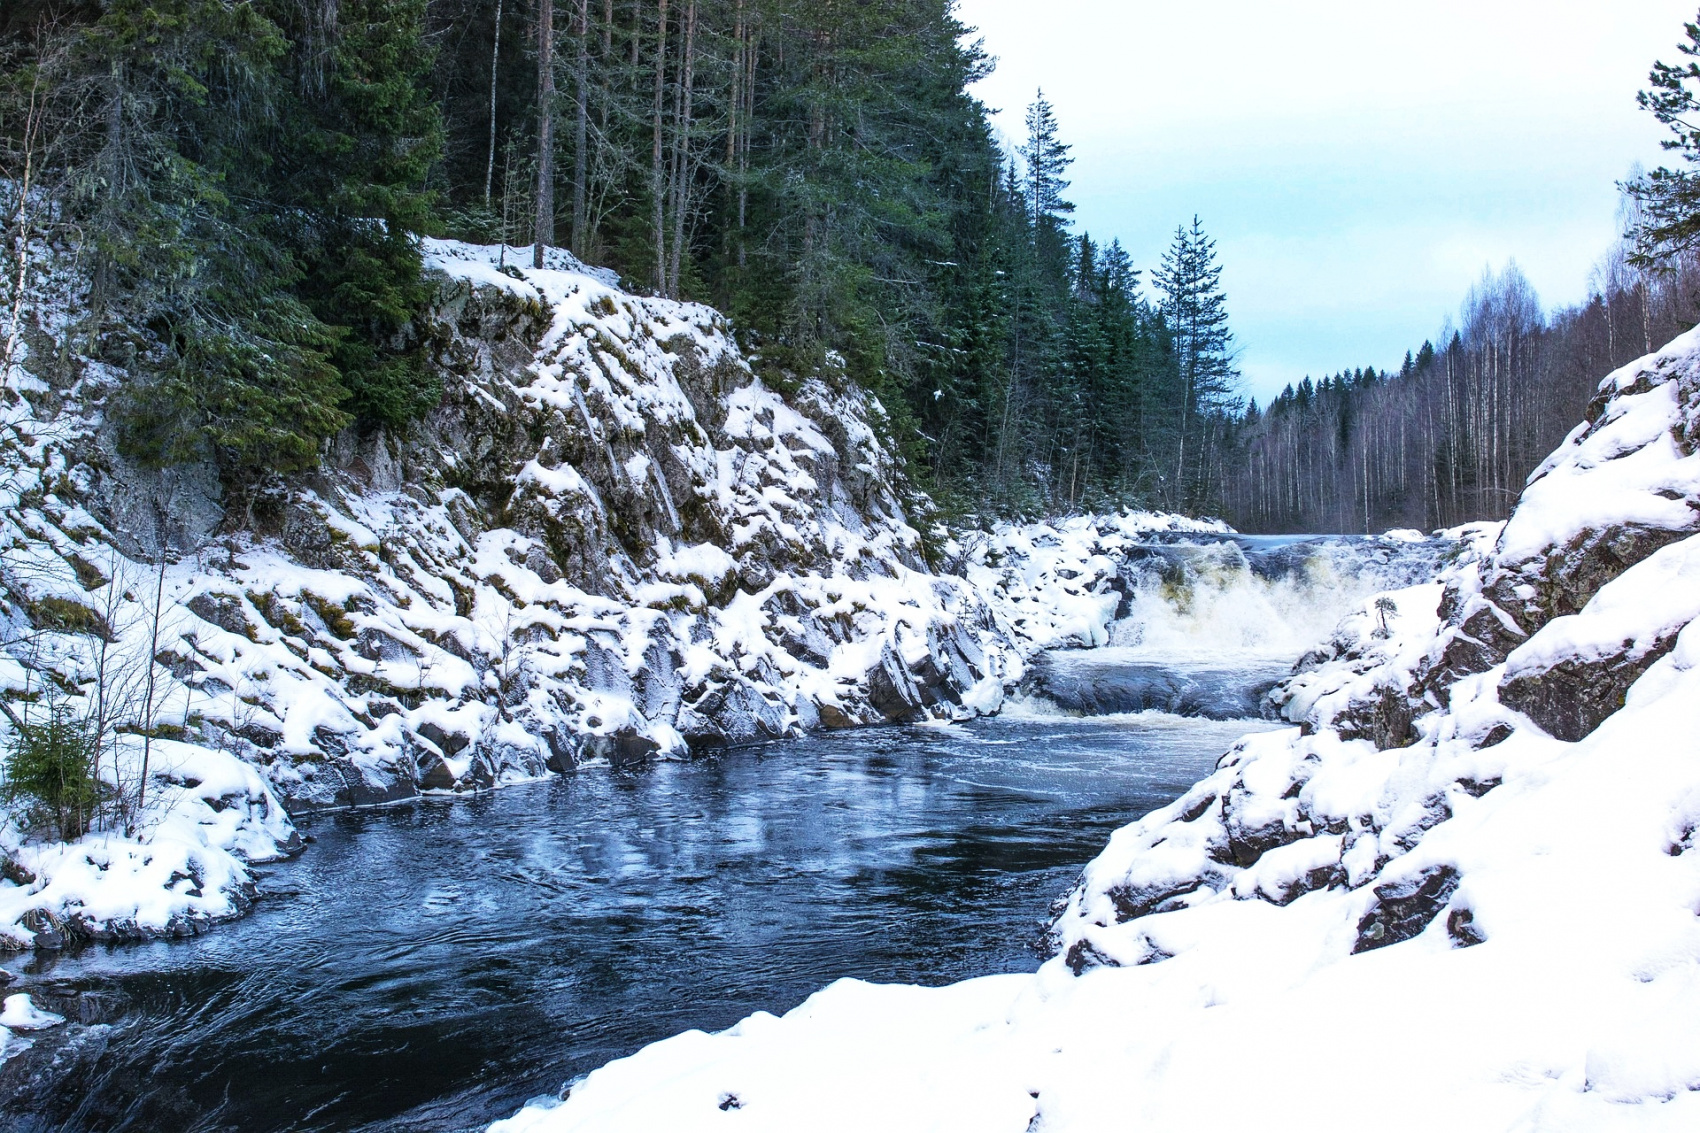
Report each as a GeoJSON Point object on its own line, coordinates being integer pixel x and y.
{"type": "Point", "coordinates": [433, 966]}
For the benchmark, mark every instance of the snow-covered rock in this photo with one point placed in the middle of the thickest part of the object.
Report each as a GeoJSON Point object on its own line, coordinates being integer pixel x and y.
{"type": "Point", "coordinates": [211, 816]}
{"type": "Point", "coordinates": [611, 541]}
{"type": "Point", "coordinates": [21, 1014]}
{"type": "Point", "coordinates": [1063, 584]}
{"type": "Point", "coordinates": [1463, 891]}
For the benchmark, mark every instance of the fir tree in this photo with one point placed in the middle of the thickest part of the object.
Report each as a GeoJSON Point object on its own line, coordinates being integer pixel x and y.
{"type": "Point", "coordinates": [1670, 198]}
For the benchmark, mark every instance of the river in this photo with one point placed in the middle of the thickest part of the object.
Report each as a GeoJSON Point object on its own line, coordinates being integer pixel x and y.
{"type": "Point", "coordinates": [433, 966]}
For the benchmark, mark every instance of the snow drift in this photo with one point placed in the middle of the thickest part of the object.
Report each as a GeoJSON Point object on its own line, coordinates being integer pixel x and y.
{"type": "Point", "coordinates": [1461, 891]}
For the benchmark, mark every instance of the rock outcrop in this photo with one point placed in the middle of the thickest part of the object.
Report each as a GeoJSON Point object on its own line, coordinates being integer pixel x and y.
{"type": "Point", "coordinates": [611, 541]}
{"type": "Point", "coordinates": [1464, 878]}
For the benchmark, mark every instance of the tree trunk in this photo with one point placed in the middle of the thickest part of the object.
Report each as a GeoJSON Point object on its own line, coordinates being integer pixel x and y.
{"type": "Point", "coordinates": [581, 126]}
{"type": "Point", "coordinates": [495, 63]}
{"type": "Point", "coordinates": [544, 231]}
{"type": "Point", "coordinates": [735, 100]}
{"type": "Point", "coordinates": [751, 48]}
{"type": "Point", "coordinates": [21, 220]}
{"type": "Point", "coordinates": [682, 152]}
{"type": "Point", "coordinates": [657, 175]}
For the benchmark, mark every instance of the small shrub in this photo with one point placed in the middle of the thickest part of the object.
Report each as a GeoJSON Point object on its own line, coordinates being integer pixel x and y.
{"type": "Point", "coordinates": [50, 768]}
{"type": "Point", "coordinates": [1384, 606]}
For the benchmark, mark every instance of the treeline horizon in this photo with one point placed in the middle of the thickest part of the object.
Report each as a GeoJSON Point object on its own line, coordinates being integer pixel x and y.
{"type": "Point", "coordinates": [244, 179]}
{"type": "Point", "coordinates": [1452, 435]}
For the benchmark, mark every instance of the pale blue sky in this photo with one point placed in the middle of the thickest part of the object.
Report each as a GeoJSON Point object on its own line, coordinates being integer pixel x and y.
{"type": "Point", "coordinates": [1358, 161]}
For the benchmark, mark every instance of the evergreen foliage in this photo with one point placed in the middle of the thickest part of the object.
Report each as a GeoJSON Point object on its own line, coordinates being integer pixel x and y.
{"type": "Point", "coordinates": [1670, 198]}
{"type": "Point", "coordinates": [1195, 309]}
{"type": "Point", "coordinates": [251, 176]}
{"type": "Point", "coordinates": [50, 768]}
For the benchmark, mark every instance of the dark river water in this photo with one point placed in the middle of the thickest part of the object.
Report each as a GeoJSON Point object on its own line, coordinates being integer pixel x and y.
{"type": "Point", "coordinates": [432, 967]}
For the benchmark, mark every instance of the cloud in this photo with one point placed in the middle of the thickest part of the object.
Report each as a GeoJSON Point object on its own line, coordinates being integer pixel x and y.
{"type": "Point", "coordinates": [1359, 164]}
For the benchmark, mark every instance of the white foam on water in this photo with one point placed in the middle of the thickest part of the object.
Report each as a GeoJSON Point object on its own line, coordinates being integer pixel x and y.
{"type": "Point", "coordinates": [1196, 603]}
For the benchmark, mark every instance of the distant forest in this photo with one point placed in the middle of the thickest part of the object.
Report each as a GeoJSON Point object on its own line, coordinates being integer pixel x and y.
{"type": "Point", "coordinates": [243, 181]}
{"type": "Point", "coordinates": [1453, 433]}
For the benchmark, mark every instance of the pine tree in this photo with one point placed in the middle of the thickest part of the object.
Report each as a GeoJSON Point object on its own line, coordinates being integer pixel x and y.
{"type": "Point", "coordinates": [822, 172]}
{"type": "Point", "coordinates": [180, 247]}
{"type": "Point", "coordinates": [1670, 198]}
{"type": "Point", "coordinates": [1047, 160]}
{"type": "Point", "coordinates": [365, 151]}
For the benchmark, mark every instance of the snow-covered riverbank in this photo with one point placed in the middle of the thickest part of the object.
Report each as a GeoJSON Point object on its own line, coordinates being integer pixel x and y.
{"type": "Point", "coordinates": [610, 542]}
{"type": "Point", "coordinates": [1460, 892]}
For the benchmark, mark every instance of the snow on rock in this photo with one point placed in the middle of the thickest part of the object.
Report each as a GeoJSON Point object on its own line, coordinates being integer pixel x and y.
{"type": "Point", "coordinates": [21, 1014]}
{"type": "Point", "coordinates": [1623, 484]}
{"type": "Point", "coordinates": [1061, 584]}
{"type": "Point", "coordinates": [210, 816]}
{"type": "Point", "coordinates": [610, 541]}
{"type": "Point", "coordinates": [73, 619]}
{"type": "Point", "coordinates": [1436, 901]}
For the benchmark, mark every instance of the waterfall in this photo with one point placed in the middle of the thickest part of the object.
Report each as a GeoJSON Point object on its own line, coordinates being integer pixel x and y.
{"type": "Point", "coordinates": [1207, 625]}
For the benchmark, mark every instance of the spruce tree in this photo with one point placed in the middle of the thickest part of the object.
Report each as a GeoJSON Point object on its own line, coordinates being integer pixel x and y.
{"type": "Point", "coordinates": [1670, 198]}
{"type": "Point", "coordinates": [1047, 159]}
{"type": "Point", "coordinates": [357, 181]}
{"type": "Point", "coordinates": [183, 244]}
{"type": "Point", "coordinates": [1195, 310]}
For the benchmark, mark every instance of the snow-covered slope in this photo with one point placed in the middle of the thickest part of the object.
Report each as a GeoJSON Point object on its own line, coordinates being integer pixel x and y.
{"type": "Point", "coordinates": [1463, 891]}
{"type": "Point", "coordinates": [611, 541]}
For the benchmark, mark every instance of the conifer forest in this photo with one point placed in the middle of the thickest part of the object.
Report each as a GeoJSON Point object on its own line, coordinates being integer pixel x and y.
{"type": "Point", "coordinates": [247, 181]}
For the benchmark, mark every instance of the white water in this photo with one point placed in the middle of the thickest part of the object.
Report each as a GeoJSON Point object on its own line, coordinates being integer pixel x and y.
{"type": "Point", "coordinates": [1207, 627]}
{"type": "Point", "coordinates": [1258, 599]}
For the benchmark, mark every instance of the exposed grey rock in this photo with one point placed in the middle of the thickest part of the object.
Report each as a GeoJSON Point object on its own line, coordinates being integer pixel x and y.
{"type": "Point", "coordinates": [1404, 908]}
{"type": "Point", "coordinates": [1573, 697]}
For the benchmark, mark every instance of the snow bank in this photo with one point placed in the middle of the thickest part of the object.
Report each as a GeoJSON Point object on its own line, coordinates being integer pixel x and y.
{"type": "Point", "coordinates": [21, 1014]}
{"type": "Point", "coordinates": [1418, 908]}
{"type": "Point", "coordinates": [210, 817]}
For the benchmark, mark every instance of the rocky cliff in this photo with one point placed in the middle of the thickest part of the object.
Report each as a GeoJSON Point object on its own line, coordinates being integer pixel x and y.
{"type": "Point", "coordinates": [1459, 891]}
{"type": "Point", "coordinates": [610, 541]}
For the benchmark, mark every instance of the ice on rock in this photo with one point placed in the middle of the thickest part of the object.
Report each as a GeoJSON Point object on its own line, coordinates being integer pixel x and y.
{"type": "Point", "coordinates": [21, 1014]}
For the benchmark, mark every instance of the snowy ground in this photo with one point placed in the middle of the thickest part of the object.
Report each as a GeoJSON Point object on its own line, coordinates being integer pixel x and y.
{"type": "Point", "coordinates": [1417, 909]}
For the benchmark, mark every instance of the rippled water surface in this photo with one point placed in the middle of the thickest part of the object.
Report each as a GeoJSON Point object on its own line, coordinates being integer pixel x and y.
{"type": "Point", "coordinates": [433, 966]}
